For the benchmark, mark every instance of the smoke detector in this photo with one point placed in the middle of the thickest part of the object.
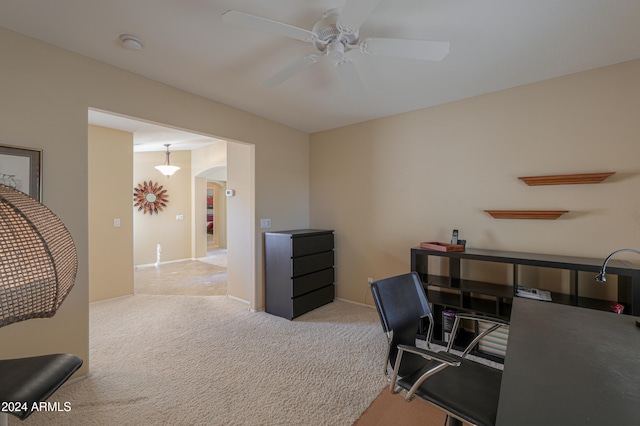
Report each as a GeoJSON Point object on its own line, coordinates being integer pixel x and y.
{"type": "Point", "coordinates": [131, 42]}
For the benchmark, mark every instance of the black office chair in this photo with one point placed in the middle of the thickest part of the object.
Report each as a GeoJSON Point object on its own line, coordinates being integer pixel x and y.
{"type": "Point", "coordinates": [466, 390]}
{"type": "Point", "coordinates": [27, 382]}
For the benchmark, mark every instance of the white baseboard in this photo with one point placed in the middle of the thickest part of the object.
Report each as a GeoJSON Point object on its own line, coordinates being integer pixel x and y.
{"type": "Point", "coordinates": [355, 303]}
{"type": "Point", "coordinates": [151, 265]}
{"type": "Point", "coordinates": [113, 298]}
{"type": "Point", "coordinates": [246, 302]}
{"type": "Point", "coordinates": [77, 379]}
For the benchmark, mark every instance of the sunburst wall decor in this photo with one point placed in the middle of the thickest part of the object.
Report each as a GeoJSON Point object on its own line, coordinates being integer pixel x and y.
{"type": "Point", "coordinates": [150, 198]}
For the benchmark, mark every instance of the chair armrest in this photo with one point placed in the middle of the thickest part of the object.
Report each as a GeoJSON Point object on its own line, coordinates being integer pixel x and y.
{"type": "Point", "coordinates": [442, 360]}
{"type": "Point", "coordinates": [496, 324]}
{"type": "Point", "coordinates": [483, 318]}
{"type": "Point", "coordinates": [443, 357]}
{"type": "Point", "coordinates": [429, 331]}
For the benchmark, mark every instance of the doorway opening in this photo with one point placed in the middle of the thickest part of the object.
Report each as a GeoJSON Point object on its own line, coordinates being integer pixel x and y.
{"type": "Point", "coordinates": [183, 237]}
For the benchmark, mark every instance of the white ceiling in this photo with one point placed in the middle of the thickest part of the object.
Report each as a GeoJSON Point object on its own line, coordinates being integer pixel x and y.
{"type": "Point", "coordinates": [495, 44]}
{"type": "Point", "coordinates": [149, 137]}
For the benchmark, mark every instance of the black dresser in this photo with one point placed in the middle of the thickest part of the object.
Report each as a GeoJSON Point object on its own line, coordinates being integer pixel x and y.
{"type": "Point", "coordinates": [299, 274]}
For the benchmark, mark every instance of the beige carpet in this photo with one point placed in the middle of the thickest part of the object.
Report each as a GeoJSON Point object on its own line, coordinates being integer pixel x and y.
{"type": "Point", "coordinates": [192, 360]}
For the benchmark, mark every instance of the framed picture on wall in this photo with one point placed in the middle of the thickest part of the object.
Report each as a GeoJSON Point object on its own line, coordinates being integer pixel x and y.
{"type": "Point", "coordinates": [21, 168]}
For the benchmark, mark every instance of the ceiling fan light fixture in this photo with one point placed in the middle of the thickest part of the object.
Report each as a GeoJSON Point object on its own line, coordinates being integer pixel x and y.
{"type": "Point", "coordinates": [335, 50]}
{"type": "Point", "coordinates": [336, 34]}
{"type": "Point", "coordinates": [131, 42]}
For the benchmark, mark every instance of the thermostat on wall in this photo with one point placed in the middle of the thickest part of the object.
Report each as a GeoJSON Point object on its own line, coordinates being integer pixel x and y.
{"type": "Point", "coordinates": [230, 192]}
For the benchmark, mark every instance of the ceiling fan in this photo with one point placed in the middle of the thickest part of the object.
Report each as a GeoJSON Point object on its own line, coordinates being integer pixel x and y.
{"type": "Point", "coordinates": [336, 34]}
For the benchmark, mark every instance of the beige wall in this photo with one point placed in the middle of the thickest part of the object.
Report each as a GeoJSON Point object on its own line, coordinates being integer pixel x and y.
{"type": "Point", "coordinates": [110, 248]}
{"type": "Point", "coordinates": [220, 236]}
{"type": "Point", "coordinates": [203, 161]}
{"type": "Point", "coordinates": [199, 219]}
{"type": "Point", "coordinates": [173, 235]}
{"type": "Point", "coordinates": [240, 212]}
{"type": "Point", "coordinates": [220, 212]}
{"type": "Point", "coordinates": [46, 92]}
{"type": "Point", "coordinates": [386, 185]}
{"type": "Point", "coordinates": [281, 178]}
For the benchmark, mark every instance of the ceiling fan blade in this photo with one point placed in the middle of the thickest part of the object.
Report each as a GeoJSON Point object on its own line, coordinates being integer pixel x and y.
{"type": "Point", "coordinates": [350, 77]}
{"type": "Point", "coordinates": [399, 48]}
{"type": "Point", "coordinates": [291, 70]}
{"type": "Point", "coordinates": [354, 14]}
{"type": "Point", "coordinates": [262, 24]}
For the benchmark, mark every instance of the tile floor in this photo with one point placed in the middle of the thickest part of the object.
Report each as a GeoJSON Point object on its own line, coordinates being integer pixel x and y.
{"type": "Point", "coordinates": [205, 276]}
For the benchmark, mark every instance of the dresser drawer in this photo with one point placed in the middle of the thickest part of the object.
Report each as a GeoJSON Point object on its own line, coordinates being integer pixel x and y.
{"type": "Point", "coordinates": [310, 282]}
{"type": "Point", "coordinates": [312, 263]}
{"type": "Point", "coordinates": [298, 270]}
{"type": "Point", "coordinates": [312, 300]}
{"type": "Point", "coordinates": [305, 245]}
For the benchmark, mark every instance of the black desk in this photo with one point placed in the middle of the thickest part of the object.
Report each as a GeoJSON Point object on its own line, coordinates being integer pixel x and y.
{"type": "Point", "coordinates": [570, 366]}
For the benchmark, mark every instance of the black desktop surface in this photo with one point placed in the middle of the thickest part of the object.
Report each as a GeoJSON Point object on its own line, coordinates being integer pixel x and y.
{"type": "Point", "coordinates": [570, 366]}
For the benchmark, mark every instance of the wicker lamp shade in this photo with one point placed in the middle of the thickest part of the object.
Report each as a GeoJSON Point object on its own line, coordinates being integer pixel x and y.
{"type": "Point", "coordinates": [38, 259]}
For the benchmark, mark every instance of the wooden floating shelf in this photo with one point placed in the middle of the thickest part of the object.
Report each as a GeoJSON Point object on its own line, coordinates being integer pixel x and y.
{"type": "Point", "coordinates": [574, 179]}
{"type": "Point", "coordinates": [527, 214]}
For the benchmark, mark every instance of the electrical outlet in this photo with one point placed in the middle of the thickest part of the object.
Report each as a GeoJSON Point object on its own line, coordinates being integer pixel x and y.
{"type": "Point", "coordinates": [369, 280]}
{"type": "Point", "coordinates": [265, 223]}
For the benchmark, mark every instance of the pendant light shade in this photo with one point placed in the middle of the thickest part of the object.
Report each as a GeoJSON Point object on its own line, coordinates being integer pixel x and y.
{"type": "Point", "coordinates": [167, 169]}
{"type": "Point", "coordinates": [38, 259]}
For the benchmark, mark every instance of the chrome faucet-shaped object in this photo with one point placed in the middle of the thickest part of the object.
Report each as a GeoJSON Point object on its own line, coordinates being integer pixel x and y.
{"type": "Point", "coordinates": [601, 276]}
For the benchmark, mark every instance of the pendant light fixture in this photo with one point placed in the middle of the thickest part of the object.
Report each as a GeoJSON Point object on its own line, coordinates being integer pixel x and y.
{"type": "Point", "coordinates": [167, 169]}
{"type": "Point", "coordinates": [38, 259]}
